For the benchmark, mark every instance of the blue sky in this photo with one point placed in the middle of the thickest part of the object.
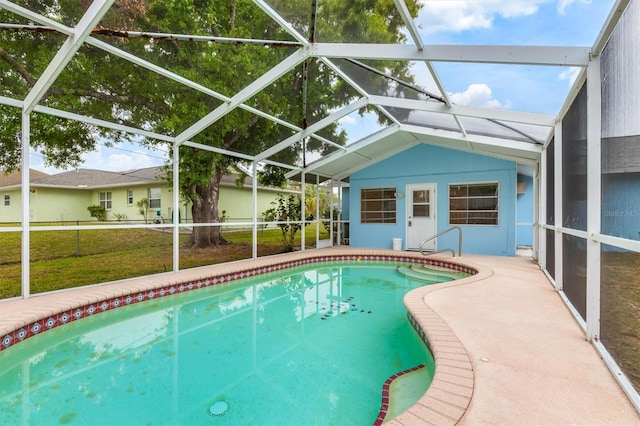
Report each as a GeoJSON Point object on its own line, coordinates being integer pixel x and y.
{"type": "Point", "coordinates": [511, 22]}
{"type": "Point", "coordinates": [492, 22]}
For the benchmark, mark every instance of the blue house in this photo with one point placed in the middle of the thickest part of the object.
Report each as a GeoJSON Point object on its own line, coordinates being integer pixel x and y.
{"type": "Point", "coordinates": [426, 189]}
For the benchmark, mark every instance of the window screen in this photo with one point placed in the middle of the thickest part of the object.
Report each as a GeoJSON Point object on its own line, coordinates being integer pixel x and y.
{"type": "Point", "coordinates": [378, 205]}
{"type": "Point", "coordinates": [473, 204]}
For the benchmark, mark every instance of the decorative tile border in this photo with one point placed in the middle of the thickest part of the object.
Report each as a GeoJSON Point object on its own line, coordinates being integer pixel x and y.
{"type": "Point", "coordinates": [384, 406]}
{"type": "Point", "coordinates": [55, 320]}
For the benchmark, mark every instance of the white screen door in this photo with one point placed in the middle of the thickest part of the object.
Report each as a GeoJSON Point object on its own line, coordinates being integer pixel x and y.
{"type": "Point", "coordinates": [421, 215]}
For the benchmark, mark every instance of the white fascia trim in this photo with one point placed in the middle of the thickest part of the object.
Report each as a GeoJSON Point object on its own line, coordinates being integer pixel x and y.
{"type": "Point", "coordinates": [244, 94]}
{"type": "Point", "coordinates": [525, 147]}
{"type": "Point", "coordinates": [328, 120]}
{"type": "Point", "coordinates": [467, 111]}
{"type": "Point", "coordinates": [91, 17]}
{"type": "Point", "coordinates": [353, 148]}
{"type": "Point", "coordinates": [521, 55]}
{"type": "Point", "coordinates": [389, 153]}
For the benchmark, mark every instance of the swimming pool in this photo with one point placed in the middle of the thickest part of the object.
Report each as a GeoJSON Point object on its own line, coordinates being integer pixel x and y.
{"type": "Point", "coordinates": [294, 343]}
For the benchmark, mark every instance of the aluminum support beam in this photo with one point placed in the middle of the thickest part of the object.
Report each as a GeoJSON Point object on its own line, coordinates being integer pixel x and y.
{"type": "Point", "coordinates": [409, 23]}
{"type": "Point", "coordinates": [25, 198]}
{"type": "Point", "coordinates": [246, 93]}
{"type": "Point", "coordinates": [466, 111]}
{"type": "Point", "coordinates": [522, 55]}
{"type": "Point", "coordinates": [327, 121]}
{"type": "Point", "coordinates": [593, 198]}
{"type": "Point", "coordinates": [84, 119]}
{"type": "Point", "coordinates": [542, 210]}
{"type": "Point", "coordinates": [557, 212]}
{"type": "Point", "coordinates": [351, 149]}
{"type": "Point", "coordinates": [302, 211]}
{"type": "Point", "coordinates": [357, 87]}
{"type": "Point", "coordinates": [530, 152]}
{"type": "Point", "coordinates": [610, 24]}
{"type": "Point", "coordinates": [254, 197]}
{"type": "Point", "coordinates": [281, 21]}
{"type": "Point", "coordinates": [91, 17]}
{"type": "Point", "coordinates": [35, 17]}
{"type": "Point", "coordinates": [219, 150]}
{"type": "Point", "coordinates": [536, 212]}
{"type": "Point", "coordinates": [176, 207]}
{"type": "Point", "coordinates": [181, 80]}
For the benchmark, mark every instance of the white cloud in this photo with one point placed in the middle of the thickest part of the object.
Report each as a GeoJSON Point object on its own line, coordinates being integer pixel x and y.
{"type": "Point", "coordinates": [460, 15]}
{"type": "Point", "coordinates": [478, 94]}
{"type": "Point", "coordinates": [457, 16]}
{"type": "Point", "coordinates": [121, 157]}
{"type": "Point", "coordinates": [563, 4]}
{"type": "Point", "coordinates": [570, 74]}
{"type": "Point", "coordinates": [118, 158]}
{"type": "Point", "coordinates": [348, 120]}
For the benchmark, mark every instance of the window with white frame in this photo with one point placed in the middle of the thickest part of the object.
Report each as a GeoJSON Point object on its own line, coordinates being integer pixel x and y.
{"type": "Point", "coordinates": [105, 200]}
{"type": "Point", "coordinates": [129, 197]}
{"type": "Point", "coordinates": [7, 199]}
{"type": "Point", "coordinates": [154, 198]}
{"type": "Point", "coordinates": [378, 205]}
{"type": "Point", "coordinates": [473, 203]}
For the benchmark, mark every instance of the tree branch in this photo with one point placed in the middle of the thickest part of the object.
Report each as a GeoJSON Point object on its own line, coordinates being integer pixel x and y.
{"type": "Point", "coordinates": [17, 67]}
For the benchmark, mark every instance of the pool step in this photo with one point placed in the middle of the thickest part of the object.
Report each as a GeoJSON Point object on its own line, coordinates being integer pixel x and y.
{"type": "Point", "coordinates": [440, 271]}
{"type": "Point", "coordinates": [424, 274]}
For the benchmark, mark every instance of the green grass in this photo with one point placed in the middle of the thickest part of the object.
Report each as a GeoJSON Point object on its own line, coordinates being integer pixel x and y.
{"type": "Point", "coordinates": [66, 259]}
{"type": "Point", "coordinates": [620, 311]}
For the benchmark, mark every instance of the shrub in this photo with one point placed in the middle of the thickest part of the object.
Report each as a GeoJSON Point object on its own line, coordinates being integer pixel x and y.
{"type": "Point", "coordinates": [99, 212]}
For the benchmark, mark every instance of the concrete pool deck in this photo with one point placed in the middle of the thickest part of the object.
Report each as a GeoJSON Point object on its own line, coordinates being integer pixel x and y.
{"type": "Point", "coordinates": [522, 358]}
{"type": "Point", "coordinates": [532, 364]}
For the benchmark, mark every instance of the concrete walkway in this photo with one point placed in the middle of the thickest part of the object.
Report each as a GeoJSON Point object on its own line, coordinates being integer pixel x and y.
{"type": "Point", "coordinates": [532, 364]}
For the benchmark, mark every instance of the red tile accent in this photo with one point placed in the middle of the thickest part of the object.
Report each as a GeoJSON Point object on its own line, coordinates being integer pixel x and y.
{"type": "Point", "coordinates": [95, 308]}
{"type": "Point", "coordinates": [384, 405]}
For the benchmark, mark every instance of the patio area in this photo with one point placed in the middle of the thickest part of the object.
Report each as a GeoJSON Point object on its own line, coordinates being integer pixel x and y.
{"type": "Point", "coordinates": [532, 364]}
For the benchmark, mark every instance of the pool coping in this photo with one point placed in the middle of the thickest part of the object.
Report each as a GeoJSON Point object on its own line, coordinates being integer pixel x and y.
{"type": "Point", "coordinates": [444, 403]}
{"type": "Point", "coordinates": [448, 397]}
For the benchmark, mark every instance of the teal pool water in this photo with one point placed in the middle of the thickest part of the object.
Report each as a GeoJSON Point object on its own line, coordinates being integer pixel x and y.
{"type": "Point", "coordinates": [310, 345]}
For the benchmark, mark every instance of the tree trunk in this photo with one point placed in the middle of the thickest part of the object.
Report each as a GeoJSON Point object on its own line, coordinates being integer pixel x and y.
{"type": "Point", "coordinates": [204, 209]}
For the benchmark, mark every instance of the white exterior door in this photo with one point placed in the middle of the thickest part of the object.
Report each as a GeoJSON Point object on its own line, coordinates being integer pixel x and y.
{"type": "Point", "coordinates": [421, 215]}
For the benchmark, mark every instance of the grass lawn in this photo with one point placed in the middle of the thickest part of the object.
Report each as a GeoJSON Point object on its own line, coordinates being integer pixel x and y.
{"type": "Point", "coordinates": [620, 311]}
{"type": "Point", "coordinates": [66, 259]}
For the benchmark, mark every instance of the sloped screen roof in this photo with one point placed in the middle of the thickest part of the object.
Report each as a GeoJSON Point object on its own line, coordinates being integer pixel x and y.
{"type": "Point", "coordinates": [312, 86]}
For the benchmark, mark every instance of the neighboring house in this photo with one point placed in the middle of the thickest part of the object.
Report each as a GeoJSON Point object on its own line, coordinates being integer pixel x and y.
{"type": "Point", "coordinates": [425, 190]}
{"type": "Point", "coordinates": [66, 196]}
